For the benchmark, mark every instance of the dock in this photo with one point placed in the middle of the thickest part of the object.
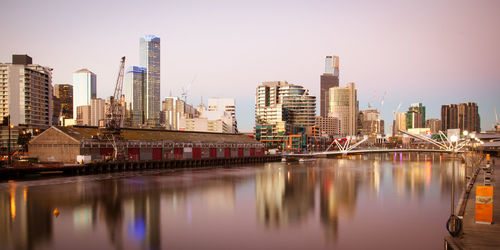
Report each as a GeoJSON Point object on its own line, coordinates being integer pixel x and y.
{"type": "Point", "coordinates": [475, 235]}
{"type": "Point", "coordinates": [108, 167]}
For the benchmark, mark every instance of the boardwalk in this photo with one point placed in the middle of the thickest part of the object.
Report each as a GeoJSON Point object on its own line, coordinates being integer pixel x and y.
{"type": "Point", "coordinates": [482, 236]}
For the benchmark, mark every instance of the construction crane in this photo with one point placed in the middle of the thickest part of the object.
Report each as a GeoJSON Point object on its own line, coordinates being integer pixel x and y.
{"type": "Point", "coordinates": [114, 115]}
{"type": "Point", "coordinates": [497, 124]}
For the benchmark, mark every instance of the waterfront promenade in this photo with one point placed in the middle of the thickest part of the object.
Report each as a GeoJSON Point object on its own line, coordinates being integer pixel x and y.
{"type": "Point", "coordinates": [475, 235]}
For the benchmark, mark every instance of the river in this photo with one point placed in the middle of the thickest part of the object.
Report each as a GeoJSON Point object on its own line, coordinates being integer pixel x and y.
{"type": "Point", "coordinates": [387, 201]}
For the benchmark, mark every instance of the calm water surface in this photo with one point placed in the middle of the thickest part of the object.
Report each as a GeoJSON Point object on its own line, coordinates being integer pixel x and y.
{"type": "Point", "coordinates": [368, 202]}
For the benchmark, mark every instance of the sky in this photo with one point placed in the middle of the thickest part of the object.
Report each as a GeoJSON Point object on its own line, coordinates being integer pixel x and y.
{"type": "Point", "coordinates": [434, 52]}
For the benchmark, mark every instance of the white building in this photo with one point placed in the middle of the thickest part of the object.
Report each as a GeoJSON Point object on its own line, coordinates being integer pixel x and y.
{"type": "Point", "coordinates": [26, 92]}
{"type": "Point", "coordinates": [84, 88]}
{"type": "Point", "coordinates": [209, 121]}
{"type": "Point", "coordinates": [224, 104]}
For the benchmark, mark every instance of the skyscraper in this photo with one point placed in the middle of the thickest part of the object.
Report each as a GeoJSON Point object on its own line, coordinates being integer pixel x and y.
{"type": "Point", "coordinates": [464, 116]}
{"type": "Point", "coordinates": [468, 117]}
{"type": "Point", "coordinates": [415, 117]}
{"type": "Point", "coordinates": [27, 92]}
{"type": "Point", "coordinates": [150, 59]}
{"type": "Point", "coordinates": [449, 117]}
{"type": "Point", "coordinates": [65, 94]}
{"type": "Point", "coordinates": [135, 94]}
{"type": "Point", "coordinates": [85, 88]}
{"type": "Point", "coordinates": [343, 105]}
{"type": "Point", "coordinates": [224, 104]}
{"type": "Point", "coordinates": [328, 80]}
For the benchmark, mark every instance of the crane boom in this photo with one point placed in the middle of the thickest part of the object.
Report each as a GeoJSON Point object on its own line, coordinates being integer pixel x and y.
{"type": "Point", "coordinates": [114, 114]}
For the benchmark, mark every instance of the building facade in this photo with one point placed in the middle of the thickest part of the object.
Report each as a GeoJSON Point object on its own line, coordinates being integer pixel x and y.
{"type": "Point", "coordinates": [344, 106]}
{"type": "Point", "coordinates": [463, 116]}
{"type": "Point", "coordinates": [26, 92]}
{"type": "Point", "coordinates": [328, 125]}
{"type": "Point", "coordinates": [328, 80]}
{"type": "Point", "coordinates": [415, 117]}
{"type": "Point", "coordinates": [468, 117]}
{"type": "Point", "coordinates": [224, 104]}
{"type": "Point", "coordinates": [150, 59]}
{"type": "Point", "coordinates": [83, 115]}
{"type": "Point", "coordinates": [65, 94]}
{"type": "Point", "coordinates": [434, 125]}
{"type": "Point", "coordinates": [399, 123]}
{"type": "Point", "coordinates": [172, 110]}
{"type": "Point", "coordinates": [85, 88]}
{"type": "Point", "coordinates": [282, 110]}
{"type": "Point", "coordinates": [135, 95]}
{"type": "Point", "coordinates": [370, 122]}
{"type": "Point", "coordinates": [209, 121]}
{"type": "Point", "coordinates": [97, 111]}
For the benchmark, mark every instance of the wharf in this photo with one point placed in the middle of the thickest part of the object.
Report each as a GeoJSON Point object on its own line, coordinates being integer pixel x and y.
{"type": "Point", "coordinates": [107, 167]}
{"type": "Point", "coordinates": [474, 235]}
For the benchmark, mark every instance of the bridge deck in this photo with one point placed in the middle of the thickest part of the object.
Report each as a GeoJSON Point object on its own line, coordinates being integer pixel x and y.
{"type": "Point", "coordinates": [366, 151]}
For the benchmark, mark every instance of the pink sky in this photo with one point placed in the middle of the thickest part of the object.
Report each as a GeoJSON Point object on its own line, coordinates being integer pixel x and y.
{"type": "Point", "coordinates": [435, 52]}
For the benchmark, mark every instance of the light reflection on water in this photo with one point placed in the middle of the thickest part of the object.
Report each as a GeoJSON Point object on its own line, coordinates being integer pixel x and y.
{"type": "Point", "coordinates": [383, 201]}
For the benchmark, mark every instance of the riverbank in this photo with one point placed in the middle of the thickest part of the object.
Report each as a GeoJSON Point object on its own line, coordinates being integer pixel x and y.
{"type": "Point", "coordinates": [108, 167]}
{"type": "Point", "coordinates": [475, 235]}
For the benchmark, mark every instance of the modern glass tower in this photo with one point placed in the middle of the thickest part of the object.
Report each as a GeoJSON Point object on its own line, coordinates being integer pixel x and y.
{"type": "Point", "coordinates": [84, 88]}
{"type": "Point", "coordinates": [150, 59]}
{"type": "Point", "coordinates": [135, 94]}
{"type": "Point", "coordinates": [328, 80]}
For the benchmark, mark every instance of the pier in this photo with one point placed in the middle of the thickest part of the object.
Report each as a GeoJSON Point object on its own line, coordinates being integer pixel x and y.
{"type": "Point", "coordinates": [475, 235]}
{"type": "Point", "coordinates": [108, 167]}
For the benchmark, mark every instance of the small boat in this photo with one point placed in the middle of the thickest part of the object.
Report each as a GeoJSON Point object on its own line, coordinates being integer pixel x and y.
{"type": "Point", "coordinates": [306, 159]}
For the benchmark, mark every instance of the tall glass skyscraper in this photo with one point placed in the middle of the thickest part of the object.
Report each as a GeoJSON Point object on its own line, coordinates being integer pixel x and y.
{"type": "Point", "coordinates": [135, 94]}
{"type": "Point", "coordinates": [328, 80]}
{"type": "Point", "coordinates": [84, 88]}
{"type": "Point", "coordinates": [150, 59]}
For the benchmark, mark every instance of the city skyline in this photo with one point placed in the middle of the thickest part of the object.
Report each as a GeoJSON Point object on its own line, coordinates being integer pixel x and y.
{"type": "Point", "coordinates": [392, 49]}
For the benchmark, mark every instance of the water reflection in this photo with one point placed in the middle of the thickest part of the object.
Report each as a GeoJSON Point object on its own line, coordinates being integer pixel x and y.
{"type": "Point", "coordinates": [213, 208]}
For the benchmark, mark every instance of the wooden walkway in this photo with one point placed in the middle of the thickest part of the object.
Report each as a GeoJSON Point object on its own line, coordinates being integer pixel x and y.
{"type": "Point", "coordinates": [481, 236]}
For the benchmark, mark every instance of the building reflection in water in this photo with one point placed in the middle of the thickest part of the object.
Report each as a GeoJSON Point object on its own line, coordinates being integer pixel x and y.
{"type": "Point", "coordinates": [132, 211]}
{"type": "Point", "coordinates": [285, 193]}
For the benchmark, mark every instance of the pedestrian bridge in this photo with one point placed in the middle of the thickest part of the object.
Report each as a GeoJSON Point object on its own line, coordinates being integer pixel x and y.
{"type": "Point", "coordinates": [368, 151]}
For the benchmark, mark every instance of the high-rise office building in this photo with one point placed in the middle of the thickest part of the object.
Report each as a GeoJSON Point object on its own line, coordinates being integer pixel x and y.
{"type": "Point", "coordinates": [224, 104]}
{"type": "Point", "coordinates": [135, 95]}
{"type": "Point", "coordinates": [26, 92]}
{"type": "Point", "coordinates": [468, 117]}
{"type": "Point", "coordinates": [84, 88]}
{"type": "Point", "coordinates": [449, 116]}
{"type": "Point", "coordinates": [415, 117]}
{"type": "Point", "coordinates": [344, 106]}
{"type": "Point", "coordinates": [282, 109]}
{"type": "Point", "coordinates": [464, 116]}
{"type": "Point", "coordinates": [150, 59]}
{"type": "Point", "coordinates": [328, 80]}
{"type": "Point", "coordinates": [65, 94]}
{"type": "Point", "coordinates": [434, 124]}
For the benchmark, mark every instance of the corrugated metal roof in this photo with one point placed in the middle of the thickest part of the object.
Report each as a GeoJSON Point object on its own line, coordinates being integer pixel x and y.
{"type": "Point", "coordinates": [80, 133]}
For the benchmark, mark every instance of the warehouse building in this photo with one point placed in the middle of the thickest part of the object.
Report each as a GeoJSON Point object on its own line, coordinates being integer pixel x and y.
{"type": "Point", "coordinates": [64, 144]}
